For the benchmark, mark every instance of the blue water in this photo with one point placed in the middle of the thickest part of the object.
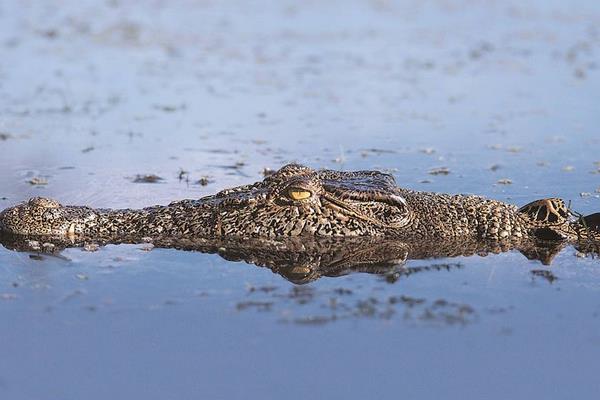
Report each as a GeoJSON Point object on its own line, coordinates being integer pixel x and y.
{"type": "Point", "coordinates": [93, 93]}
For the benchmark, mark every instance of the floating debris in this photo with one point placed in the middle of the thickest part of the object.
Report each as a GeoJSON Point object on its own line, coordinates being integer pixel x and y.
{"type": "Point", "coordinates": [257, 305]}
{"type": "Point", "coordinates": [183, 174]}
{"type": "Point", "coordinates": [342, 304]}
{"type": "Point", "coordinates": [482, 49]}
{"type": "Point", "coordinates": [203, 181]}
{"type": "Point", "coordinates": [38, 181]}
{"type": "Point", "coordinates": [313, 320]}
{"type": "Point", "coordinates": [505, 181]}
{"type": "Point", "coordinates": [238, 165]}
{"type": "Point", "coordinates": [170, 108]}
{"type": "Point", "coordinates": [48, 33]}
{"type": "Point", "coordinates": [544, 273]}
{"type": "Point", "coordinates": [568, 168]}
{"type": "Point", "coordinates": [343, 291]}
{"type": "Point", "coordinates": [495, 167]}
{"type": "Point", "coordinates": [366, 308]}
{"type": "Point", "coordinates": [82, 277]}
{"type": "Point", "coordinates": [213, 151]}
{"type": "Point", "coordinates": [379, 151]}
{"type": "Point", "coordinates": [428, 150]}
{"type": "Point", "coordinates": [407, 300]}
{"type": "Point", "coordinates": [407, 271]}
{"type": "Point", "coordinates": [88, 149]}
{"type": "Point", "coordinates": [151, 178]}
{"type": "Point", "coordinates": [585, 194]}
{"type": "Point", "coordinates": [439, 171]}
{"type": "Point", "coordinates": [264, 289]}
{"type": "Point", "coordinates": [5, 136]}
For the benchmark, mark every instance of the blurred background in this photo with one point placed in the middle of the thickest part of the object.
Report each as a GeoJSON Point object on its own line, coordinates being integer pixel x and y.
{"type": "Point", "coordinates": [93, 93]}
{"type": "Point", "coordinates": [134, 103]}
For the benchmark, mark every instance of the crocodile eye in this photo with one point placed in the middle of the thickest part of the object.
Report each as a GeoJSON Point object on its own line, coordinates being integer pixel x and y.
{"type": "Point", "coordinates": [298, 194]}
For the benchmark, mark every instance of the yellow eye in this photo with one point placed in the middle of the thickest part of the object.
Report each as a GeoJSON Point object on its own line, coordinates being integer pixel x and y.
{"type": "Point", "coordinates": [299, 194]}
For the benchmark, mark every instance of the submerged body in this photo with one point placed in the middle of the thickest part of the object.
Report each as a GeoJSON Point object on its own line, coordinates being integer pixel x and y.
{"type": "Point", "coordinates": [300, 201]}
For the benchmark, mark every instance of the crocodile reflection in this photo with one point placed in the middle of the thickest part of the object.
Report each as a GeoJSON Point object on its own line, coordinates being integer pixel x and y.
{"type": "Point", "coordinates": [306, 260]}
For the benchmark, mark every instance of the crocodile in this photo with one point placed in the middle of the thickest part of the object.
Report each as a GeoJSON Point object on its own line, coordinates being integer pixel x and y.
{"type": "Point", "coordinates": [298, 201]}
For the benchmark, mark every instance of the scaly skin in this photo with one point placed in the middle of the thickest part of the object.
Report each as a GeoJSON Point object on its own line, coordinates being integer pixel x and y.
{"type": "Point", "coordinates": [299, 201]}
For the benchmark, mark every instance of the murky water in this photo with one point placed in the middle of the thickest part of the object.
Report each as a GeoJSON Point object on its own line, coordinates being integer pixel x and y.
{"type": "Point", "coordinates": [205, 95]}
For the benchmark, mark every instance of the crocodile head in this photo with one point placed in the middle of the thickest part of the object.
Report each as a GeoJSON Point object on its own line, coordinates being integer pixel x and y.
{"type": "Point", "coordinates": [297, 200]}
{"type": "Point", "coordinates": [294, 201]}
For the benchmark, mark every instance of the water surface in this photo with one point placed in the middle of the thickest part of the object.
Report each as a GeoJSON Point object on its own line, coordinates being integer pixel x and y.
{"type": "Point", "coordinates": [93, 94]}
